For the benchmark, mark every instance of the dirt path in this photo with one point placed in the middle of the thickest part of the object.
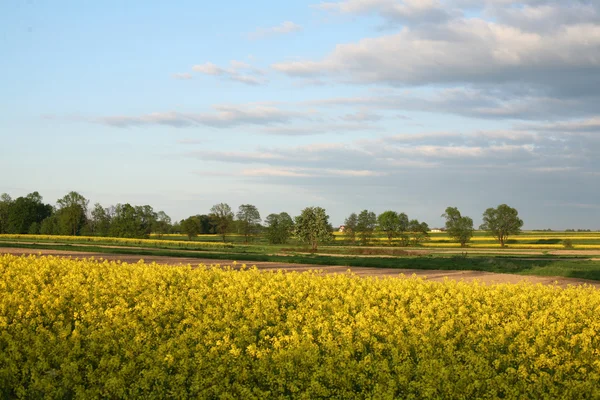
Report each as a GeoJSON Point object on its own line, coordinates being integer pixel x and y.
{"type": "Point", "coordinates": [433, 275]}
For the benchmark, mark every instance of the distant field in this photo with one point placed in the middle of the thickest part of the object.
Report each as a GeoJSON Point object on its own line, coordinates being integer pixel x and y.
{"type": "Point", "coordinates": [526, 240]}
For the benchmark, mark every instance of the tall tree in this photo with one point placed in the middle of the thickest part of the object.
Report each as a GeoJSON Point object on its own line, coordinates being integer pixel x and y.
{"type": "Point", "coordinates": [100, 221]}
{"type": "Point", "coordinates": [365, 225]}
{"type": "Point", "coordinates": [419, 231]}
{"type": "Point", "coordinates": [222, 218]}
{"type": "Point", "coordinates": [24, 211]}
{"type": "Point", "coordinates": [312, 226]}
{"type": "Point", "coordinates": [190, 226]}
{"type": "Point", "coordinates": [130, 221]}
{"type": "Point", "coordinates": [389, 222]}
{"type": "Point", "coordinates": [403, 228]}
{"type": "Point", "coordinates": [502, 222]}
{"type": "Point", "coordinates": [350, 227]}
{"type": "Point", "coordinates": [458, 227]}
{"type": "Point", "coordinates": [162, 224]}
{"type": "Point", "coordinates": [72, 213]}
{"type": "Point", "coordinates": [279, 228]}
{"type": "Point", "coordinates": [5, 202]}
{"type": "Point", "coordinates": [248, 219]}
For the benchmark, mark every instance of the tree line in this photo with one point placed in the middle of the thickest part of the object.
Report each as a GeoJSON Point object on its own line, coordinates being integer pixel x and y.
{"type": "Point", "coordinates": [72, 216]}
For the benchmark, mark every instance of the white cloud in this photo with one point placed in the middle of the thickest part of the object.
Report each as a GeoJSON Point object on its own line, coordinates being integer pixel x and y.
{"type": "Point", "coordinates": [281, 29]}
{"type": "Point", "coordinates": [223, 116]}
{"type": "Point", "coordinates": [239, 71]}
{"type": "Point", "coordinates": [407, 11]}
{"type": "Point", "coordinates": [182, 75]}
{"type": "Point", "coordinates": [208, 68]}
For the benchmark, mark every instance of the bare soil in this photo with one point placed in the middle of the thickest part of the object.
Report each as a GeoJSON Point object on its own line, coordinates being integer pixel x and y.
{"type": "Point", "coordinates": [431, 275]}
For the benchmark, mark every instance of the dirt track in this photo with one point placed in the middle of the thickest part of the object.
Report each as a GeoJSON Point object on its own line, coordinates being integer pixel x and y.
{"type": "Point", "coordinates": [433, 275]}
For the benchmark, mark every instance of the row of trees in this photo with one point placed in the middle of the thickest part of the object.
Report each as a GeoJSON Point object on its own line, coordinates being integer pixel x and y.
{"type": "Point", "coordinates": [393, 224]}
{"type": "Point", "coordinates": [71, 216]}
{"type": "Point", "coordinates": [501, 222]}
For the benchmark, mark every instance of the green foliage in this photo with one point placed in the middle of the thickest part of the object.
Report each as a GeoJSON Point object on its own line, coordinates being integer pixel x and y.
{"type": "Point", "coordinates": [312, 226]}
{"type": "Point", "coordinates": [502, 222]}
{"type": "Point", "coordinates": [162, 224]}
{"type": "Point", "coordinates": [419, 231]}
{"type": "Point", "coordinates": [458, 227]}
{"type": "Point", "coordinates": [191, 226]}
{"type": "Point", "coordinates": [132, 222]}
{"type": "Point", "coordinates": [568, 244]}
{"type": "Point", "coordinates": [365, 225]}
{"type": "Point", "coordinates": [389, 222]}
{"type": "Point", "coordinates": [5, 203]}
{"type": "Point", "coordinates": [101, 220]}
{"type": "Point", "coordinates": [248, 219]}
{"type": "Point", "coordinates": [24, 211]}
{"type": "Point", "coordinates": [279, 228]}
{"type": "Point", "coordinates": [350, 227]}
{"type": "Point", "coordinates": [34, 229]}
{"type": "Point", "coordinates": [49, 226]}
{"type": "Point", "coordinates": [221, 218]}
{"type": "Point", "coordinates": [71, 213]}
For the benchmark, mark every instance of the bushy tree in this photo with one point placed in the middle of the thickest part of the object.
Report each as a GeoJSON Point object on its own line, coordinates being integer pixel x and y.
{"type": "Point", "coordinates": [365, 226]}
{"type": "Point", "coordinates": [71, 213]}
{"type": "Point", "coordinates": [419, 231]}
{"type": "Point", "coordinates": [248, 219]}
{"type": "Point", "coordinates": [502, 222]}
{"type": "Point", "coordinates": [190, 226]}
{"type": "Point", "coordinates": [458, 227]}
{"type": "Point", "coordinates": [312, 226]}
{"type": "Point", "coordinates": [49, 226]}
{"type": "Point", "coordinates": [5, 203]}
{"type": "Point", "coordinates": [350, 227]}
{"type": "Point", "coordinates": [389, 222]}
{"type": "Point", "coordinates": [24, 211]}
{"type": "Point", "coordinates": [279, 228]}
{"type": "Point", "coordinates": [162, 225]}
{"type": "Point", "coordinates": [221, 217]}
{"type": "Point", "coordinates": [130, 221]}
{"type": "Point", "coordinates": [100, 221]}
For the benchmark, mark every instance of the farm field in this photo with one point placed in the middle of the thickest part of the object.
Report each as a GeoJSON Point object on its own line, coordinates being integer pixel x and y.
{"type": "Point", "coordinates": [84, 328]}
{"type": "Point", "coordinates": [526, 240]}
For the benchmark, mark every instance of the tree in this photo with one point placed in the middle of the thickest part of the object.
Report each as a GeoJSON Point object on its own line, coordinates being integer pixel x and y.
{"type": "Point", "coordinates": [312, 226]}
{"type": "Point", "coordinates": [72, 213]}
{"type": "Point", "coordinates": [162, 225]}
{"type": "Point", "coordinates": [5, 202]}
{"type": "Point", "coordinates": [248, 219]}
{"type": "Point", "coordinates": [132, 222]}
{"type": "Point", "coordinates": [403, 225]}
{"type": "Point", "coordinates": [458, 227]}
{"type": "Point", "coordinates": [49, 226]}
{"type": "Point", "coordinates": [279, 228]}
{"type": "Point", "coordinates": [365, 226]}
{"type": "Point", "coordinates": [389, 222]}
{"type": "Point", "coordinates": [190, 226]}
{"type": "Point", "coordinates": [501, 222]}
{"type": "Point", "coordinates": [24, 211]}
{"type": "Point", "coordinates": [100, 221]}
{"type": "Point", "coordinates": [419, 231]}
{"type": "Point", "coordinates": [222, 218]}
{"type": "Point", "coordinates": [350, 227]}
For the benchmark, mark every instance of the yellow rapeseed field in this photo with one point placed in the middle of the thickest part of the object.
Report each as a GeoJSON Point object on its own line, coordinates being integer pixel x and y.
{"type": "Point", "coordinates": [115, 240]}
{"type": "Point", "coordinates": [98, 329]}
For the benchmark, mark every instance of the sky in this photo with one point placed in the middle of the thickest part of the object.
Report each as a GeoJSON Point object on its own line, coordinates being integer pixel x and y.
{"type": "Point", "coordinates": [405, 105]}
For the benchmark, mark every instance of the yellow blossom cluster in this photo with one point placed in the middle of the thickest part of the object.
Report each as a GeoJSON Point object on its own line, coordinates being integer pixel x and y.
{"type": "Point", "coordinates": [98, 329]}
{"type": "Point", "coordinates": [119, 241]}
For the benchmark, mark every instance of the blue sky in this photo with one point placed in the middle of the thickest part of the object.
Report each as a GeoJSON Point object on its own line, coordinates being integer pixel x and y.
{"type": "Point", "coordinates": [357, 104]}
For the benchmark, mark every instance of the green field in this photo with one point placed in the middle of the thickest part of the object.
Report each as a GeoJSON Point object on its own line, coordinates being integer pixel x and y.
{"type": "Point", "coordinates": [543, 261]}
